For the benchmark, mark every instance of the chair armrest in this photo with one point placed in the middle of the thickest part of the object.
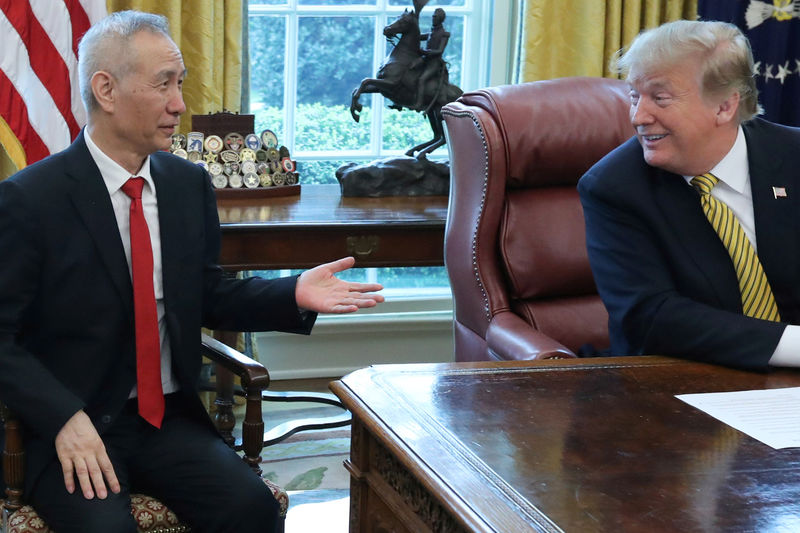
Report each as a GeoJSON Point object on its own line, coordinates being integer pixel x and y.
{"type": "Point", "coordinates": [508, 337]}
{"type": "Point", "coordinates": [252, 373]}
{"type": "Point", "coordinates": [255, 379]}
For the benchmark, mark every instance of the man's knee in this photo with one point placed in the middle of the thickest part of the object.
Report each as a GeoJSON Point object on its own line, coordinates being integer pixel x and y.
{"type": "Point", "coordinates": [248, 509]}
{"type": "Point", "coordinates": [235, 512]}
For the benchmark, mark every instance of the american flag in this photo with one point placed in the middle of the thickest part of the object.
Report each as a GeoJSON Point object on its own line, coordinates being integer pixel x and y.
{"type": "Point", "coordinates": [39, 95]}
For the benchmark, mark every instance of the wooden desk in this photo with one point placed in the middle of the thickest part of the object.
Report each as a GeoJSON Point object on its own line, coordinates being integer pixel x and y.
{"type": "Point", "coordinates": [319, 226]}
{"type": "Point", "coordinates": [570, 445]}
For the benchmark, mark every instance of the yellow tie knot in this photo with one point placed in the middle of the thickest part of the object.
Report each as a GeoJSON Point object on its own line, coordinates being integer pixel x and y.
{"type": "Point", "coordinates": [704, 183]}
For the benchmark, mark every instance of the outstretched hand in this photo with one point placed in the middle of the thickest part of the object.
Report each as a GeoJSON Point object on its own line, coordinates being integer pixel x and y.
{"type": "Point", "coordinates": [320, 290]}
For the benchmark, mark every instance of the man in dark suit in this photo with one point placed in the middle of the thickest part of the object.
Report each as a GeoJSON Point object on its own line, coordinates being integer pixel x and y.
{"type": "Point", "coordinates": [675, 279]}
{"type": "Point", "coordinates": [70, 312]}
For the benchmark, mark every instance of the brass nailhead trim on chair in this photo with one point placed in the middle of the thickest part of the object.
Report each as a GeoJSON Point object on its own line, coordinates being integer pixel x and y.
{"type": "Point", "coordinates": [462, 114]}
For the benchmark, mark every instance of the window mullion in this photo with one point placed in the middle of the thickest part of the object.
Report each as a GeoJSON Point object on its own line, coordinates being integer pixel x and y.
{"type": "Point", "coordinates": [376, 136]}
{"type": "Point", "coordinates": [290, 75]}
{"type": "Point", "coordinates": [381, 51]}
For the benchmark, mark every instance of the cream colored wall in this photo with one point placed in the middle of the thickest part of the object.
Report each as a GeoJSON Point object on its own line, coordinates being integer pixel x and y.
{"type": "Point", "coordinates": [397, 331]}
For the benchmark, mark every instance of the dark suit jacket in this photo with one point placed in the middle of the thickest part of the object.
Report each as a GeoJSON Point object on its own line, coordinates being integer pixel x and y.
{"type": "Point", "coordinates": [664, 275]}
{"type": "Point", "coordinates": [66, 304]}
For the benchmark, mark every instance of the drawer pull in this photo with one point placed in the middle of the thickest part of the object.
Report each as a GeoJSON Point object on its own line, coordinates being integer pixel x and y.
{"type": "Point", "coordinates": [363, 245]}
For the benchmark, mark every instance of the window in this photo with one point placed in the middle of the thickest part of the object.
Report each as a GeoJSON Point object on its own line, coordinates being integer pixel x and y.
{"type": "Point", "coordinates": [307, 57]}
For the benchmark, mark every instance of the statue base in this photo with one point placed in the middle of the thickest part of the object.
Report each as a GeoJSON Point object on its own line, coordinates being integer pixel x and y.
{"type": "Point", "coordinates": [397, 176]}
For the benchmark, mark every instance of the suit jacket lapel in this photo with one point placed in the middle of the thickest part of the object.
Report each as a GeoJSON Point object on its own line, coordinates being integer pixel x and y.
{"type": "Point", "coordinates": [169, 197]}
{"type": "Point", "coordinates": [774, 217]}
{"type": "Point", "coordinates": [170, 211]}
{"type": "Point", "coordinates": [680, 205]}
{"type": "Point", "coordinates": [90, 197]}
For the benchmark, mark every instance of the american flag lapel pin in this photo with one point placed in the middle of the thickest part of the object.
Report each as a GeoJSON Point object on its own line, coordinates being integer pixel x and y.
{"type": "Point", "coordinates": [779, 192]}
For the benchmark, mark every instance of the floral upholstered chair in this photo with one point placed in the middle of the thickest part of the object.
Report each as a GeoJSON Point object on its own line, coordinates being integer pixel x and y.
{"type": "Point", "coordinates": [151, 515]}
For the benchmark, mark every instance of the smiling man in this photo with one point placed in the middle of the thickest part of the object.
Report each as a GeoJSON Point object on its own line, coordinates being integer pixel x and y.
{"type": "Point", "coordinates": [692, 225]}
{"type": "Point", "coordinates": [109, 269]}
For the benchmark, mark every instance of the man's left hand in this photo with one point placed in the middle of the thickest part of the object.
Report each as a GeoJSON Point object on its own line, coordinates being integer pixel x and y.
{"type": "Point", "coordinates": [320, 290]}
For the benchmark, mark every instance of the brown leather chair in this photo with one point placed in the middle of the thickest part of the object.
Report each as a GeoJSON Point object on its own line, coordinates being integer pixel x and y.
{"type": "Point", "coordinates": [515, 244]}
{"type": "Point", "coordinates": [151, 515]}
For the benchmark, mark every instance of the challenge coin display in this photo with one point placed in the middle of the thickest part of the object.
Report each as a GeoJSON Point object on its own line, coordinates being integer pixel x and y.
{"type": "Point", "coordinates": [239, 161]}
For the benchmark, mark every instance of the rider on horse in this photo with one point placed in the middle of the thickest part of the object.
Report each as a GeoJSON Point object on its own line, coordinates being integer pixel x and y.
{"type": "Point", "coordinates": [432, 55]}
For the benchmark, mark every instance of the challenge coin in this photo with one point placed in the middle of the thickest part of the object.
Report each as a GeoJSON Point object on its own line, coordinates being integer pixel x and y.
{"type": "Point", "coordinates": [252, 141]}
{"type": "Point", "coordinates": [248, 167]}
{"type": "Point", "coordinates": [287, 164]}
{"type": "Point", "coordinates": [194, 141]}
{"type": "Point", "coordinates": [269, 139]}
{"type": "Point", "coordinates": [213, 144]}
{"type": "Point", "coordinates": [219, 181]}
{"type": "Point", "coordinates": [234, 141]}
{"type": "Point", "coordinates": [251, 180]}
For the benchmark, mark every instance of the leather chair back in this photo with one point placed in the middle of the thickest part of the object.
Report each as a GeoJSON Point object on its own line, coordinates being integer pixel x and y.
{"type": "Point", "coordinates": [515, 240]}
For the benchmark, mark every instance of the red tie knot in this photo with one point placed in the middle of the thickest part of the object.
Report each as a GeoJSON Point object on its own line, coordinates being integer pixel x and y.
{"type": "Point", "coordinates": [133, 187]}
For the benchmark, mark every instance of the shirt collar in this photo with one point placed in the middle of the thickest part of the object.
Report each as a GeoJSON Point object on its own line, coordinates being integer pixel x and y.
{"type": "Point", "coordinates": [113, 174]}
{"type": "Point", "coordinates": [733, 169]}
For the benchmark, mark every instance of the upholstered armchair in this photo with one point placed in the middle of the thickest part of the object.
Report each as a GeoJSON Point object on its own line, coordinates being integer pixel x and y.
{"type": "Point", "coordinates": [152, 515]}
{"type": "Point", "coordinates": [515, 245]}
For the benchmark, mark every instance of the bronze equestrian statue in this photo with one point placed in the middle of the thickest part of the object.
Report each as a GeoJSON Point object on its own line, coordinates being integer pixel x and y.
{"type": "Point", "coordinates": [413, 77]}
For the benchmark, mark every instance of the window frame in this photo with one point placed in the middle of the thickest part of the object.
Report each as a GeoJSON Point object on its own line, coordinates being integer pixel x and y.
{"type": "Point", "coordinates": [486, 60]}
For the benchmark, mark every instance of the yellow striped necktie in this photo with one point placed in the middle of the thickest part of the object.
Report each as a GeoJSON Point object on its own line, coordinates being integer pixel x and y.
{"type": "Point", "coordinates": [757, 298]}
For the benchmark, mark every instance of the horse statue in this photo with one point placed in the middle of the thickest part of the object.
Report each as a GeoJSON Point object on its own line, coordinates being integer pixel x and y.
{"type": "Point", "coordinates": [398, 79]}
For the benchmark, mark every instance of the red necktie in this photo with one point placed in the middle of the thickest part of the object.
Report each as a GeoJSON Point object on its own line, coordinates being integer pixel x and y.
{"type": "Point", "coordinates": [148, 350]}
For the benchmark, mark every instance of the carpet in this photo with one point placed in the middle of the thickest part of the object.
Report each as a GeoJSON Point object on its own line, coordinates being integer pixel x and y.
{"type": "Point", "coordinates": [309, 460]}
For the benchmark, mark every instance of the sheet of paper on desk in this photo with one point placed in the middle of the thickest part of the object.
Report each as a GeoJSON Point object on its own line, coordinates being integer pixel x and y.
{"type": "Point", "coordinates": [771, 416]}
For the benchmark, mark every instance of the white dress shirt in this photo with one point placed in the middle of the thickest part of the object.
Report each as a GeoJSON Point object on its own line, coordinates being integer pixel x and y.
{"type": "Point", "coordinates": [734, 191]}
{"type": "Point", "coordinates": [115, 177]}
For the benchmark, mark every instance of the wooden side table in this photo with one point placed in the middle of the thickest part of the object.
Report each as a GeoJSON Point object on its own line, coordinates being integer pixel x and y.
{"type": "Point", "coordinates": [320, 226]}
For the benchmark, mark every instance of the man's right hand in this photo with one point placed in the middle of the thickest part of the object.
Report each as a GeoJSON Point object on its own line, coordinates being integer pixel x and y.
{"type": "Point", "coordinates": [83, 455]}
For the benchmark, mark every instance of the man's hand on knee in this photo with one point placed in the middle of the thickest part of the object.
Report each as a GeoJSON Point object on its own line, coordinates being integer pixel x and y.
{"type": "Point", "coordinates": [83, 455]}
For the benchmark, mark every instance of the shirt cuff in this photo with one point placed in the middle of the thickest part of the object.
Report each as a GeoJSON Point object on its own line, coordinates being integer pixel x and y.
{"type": "Point", "coordinates": [787, 352]}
